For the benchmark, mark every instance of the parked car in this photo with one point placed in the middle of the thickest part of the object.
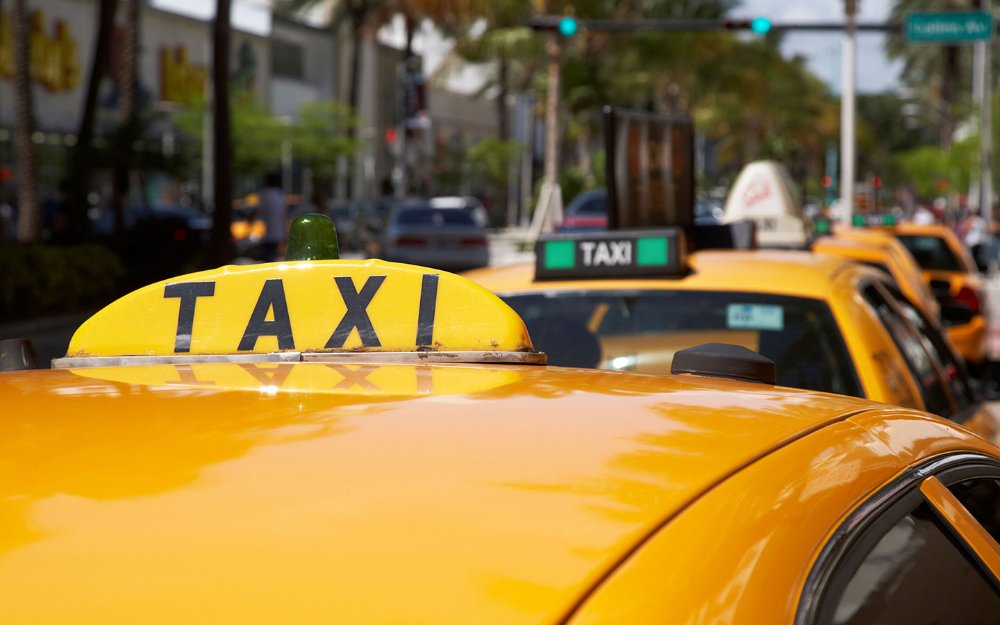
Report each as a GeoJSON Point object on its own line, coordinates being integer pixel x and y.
{"type": "Point", "coordinates": [587, 211]}
{"type": "Point", "coordinates": [445, 238]}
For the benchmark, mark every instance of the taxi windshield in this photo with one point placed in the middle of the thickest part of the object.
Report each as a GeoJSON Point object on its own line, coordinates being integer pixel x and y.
{"type": "Point", "coordinates": [932, 253]}
{"type": "Point", "coordinates": [642, 330]}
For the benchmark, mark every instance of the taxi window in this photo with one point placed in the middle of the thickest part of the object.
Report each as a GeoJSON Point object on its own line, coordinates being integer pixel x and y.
{"type": "Point", "coordinates": [931, 252]}
{"type": "Point", "coordinates": [426, 216]}
{"type": "Point", "coordinates": [953, 369]}
{"type": "Point", "coordinates": [981, 497]}
{"type": "Point", "coordinates": [881, 267]}
{"type": "Point", "coordinates": [641, 330]}
{"type": "Point", "coordinates": [912, 348]}
{"type": "Point", "coordinates": [594, 206]}
{"type": "Point", "coordinates": [913, 574]}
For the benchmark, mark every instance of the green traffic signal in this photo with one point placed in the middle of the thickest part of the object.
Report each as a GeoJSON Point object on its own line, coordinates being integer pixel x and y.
{"type": "Point", "coordinates": [568, 26]}
{"type": "Point", "coordinates": [760, 25]}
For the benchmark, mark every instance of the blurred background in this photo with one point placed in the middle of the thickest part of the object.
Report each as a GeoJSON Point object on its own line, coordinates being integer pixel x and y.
{"type": "Point", "coordinates": [141, 139]}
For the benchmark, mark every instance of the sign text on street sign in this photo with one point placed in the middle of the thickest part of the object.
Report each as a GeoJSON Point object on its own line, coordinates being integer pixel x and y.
{"type": "Point", "coordinates": [949, 27]}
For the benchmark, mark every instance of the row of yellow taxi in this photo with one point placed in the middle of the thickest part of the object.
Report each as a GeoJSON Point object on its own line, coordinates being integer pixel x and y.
{"type": "Point", "coordinates": [326, 441]}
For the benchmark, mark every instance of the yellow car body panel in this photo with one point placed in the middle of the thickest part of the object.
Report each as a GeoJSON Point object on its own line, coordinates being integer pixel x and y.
{"type": "Point", "coordinates": [969, 339]}
{"type": "Point", "coordinates": [270, 493]}
{"type": "Point", "coordinates": [881, 369]}
{"type": "Point", "coordinates": [783, 504]}
{"type": "Point", "coordinates": [874, 247]}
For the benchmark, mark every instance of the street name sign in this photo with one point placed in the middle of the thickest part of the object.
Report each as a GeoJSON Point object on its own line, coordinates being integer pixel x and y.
{"type": "Point", "coordinates": [949, 27]}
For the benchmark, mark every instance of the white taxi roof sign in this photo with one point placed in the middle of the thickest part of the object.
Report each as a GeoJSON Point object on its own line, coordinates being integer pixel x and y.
{"type": "Point", "coordinates": [307, 310]}
{"type": "Point", "coordinates": [764, 192]}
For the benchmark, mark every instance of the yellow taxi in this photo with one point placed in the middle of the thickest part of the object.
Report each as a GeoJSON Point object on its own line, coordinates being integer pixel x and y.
{"type": "Point", "coordinates": [952, 275]}
{"type": "Point", "coordinates": [829, 323]}
{"type": "Point", "coordinates": [882, 251]}
{"type": "Point", "coordinates": [368, 442]}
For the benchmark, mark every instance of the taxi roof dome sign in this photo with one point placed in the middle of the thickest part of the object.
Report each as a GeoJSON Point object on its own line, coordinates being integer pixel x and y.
{"type": "Point", "coordinates": [765, 194]}
{"type": "Point", "coordinates": [309, 310]}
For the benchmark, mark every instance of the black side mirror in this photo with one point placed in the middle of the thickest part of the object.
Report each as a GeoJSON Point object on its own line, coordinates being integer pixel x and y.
{"type": "Point", "coordinates": [17, 355]}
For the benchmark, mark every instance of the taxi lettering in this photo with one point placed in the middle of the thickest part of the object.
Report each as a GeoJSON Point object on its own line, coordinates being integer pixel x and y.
{"type": "Point", "coordinates": [271, 300]}
{"type": "Point", "coordinates": [271, 317]}
{"type": "Point", "coordinates": [188, 293]}
{"type": "Point", "coordinates": [606, 253]}
{"type": "Point", "coordinates": [357, 312]}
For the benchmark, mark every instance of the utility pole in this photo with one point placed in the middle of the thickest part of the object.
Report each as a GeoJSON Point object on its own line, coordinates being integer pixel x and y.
{"type": "Point", "coordinates": [549, 206]}
{"type": "Point", "coordinates": [984, 97]}
{"type": "Point", "coordinates": [847, 107]}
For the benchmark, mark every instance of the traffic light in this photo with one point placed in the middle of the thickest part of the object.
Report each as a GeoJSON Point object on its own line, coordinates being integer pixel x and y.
{"type": "Point", "coordinates": [760, 25]}
{"type": "Point", "coordinates": [568, 26]}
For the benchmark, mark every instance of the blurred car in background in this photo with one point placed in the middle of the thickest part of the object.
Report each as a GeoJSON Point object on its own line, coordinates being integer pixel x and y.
{"type": "Point", "coordinates": [587, 211]}
{"type": "Point", "coordinates": [954, 279]}
{"type": "Point", "coordinates": [419, 233]}
{"type": "Point", "coordinates": [829, 323]}
{"type": "Point", "coordinates": [883, 252]}
{"type": "Point", "coordinates": [466, 202]}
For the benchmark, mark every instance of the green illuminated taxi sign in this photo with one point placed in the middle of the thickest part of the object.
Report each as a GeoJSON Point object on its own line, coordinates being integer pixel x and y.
{"type": "Point", "coordinates": [871, 220]}
{"type": "Point", "coordinates": [618, 254]}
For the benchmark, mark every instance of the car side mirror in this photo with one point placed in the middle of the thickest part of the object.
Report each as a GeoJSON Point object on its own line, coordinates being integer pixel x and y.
{"type": "Point", "coordinates": [952, 315]}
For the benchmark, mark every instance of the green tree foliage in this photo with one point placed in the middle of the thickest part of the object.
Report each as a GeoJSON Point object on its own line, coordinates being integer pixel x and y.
{"type": "Point", "coordinates": [318, 138]}
{"type": "Point", "coordinates": [935, 172]}
{"type": "Point", "coordinates": [937, 76]}
{"type": "Point", "coordinates": [321, 136]}
{"type": "Point", "coordinates": [491, 159]}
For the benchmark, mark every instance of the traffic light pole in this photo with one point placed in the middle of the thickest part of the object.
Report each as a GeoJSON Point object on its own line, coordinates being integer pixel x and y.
{"type": "Point", "coordinates": [983, 95]}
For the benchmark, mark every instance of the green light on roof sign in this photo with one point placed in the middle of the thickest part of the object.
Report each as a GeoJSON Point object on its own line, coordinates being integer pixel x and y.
{"type": "Point", "coordinates": [652, 251]}
{"type": "Point", "coordinates": [614, 254]}
{"type": "Point", "coordinates": [560, 255]}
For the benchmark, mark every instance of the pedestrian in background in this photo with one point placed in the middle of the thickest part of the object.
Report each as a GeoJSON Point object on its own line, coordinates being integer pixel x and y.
{"type": "Point", "coordinates": [273, 209]}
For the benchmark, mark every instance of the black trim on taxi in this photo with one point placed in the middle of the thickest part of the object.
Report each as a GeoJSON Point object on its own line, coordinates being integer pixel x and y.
{"type": "Point", "coordinates": [864, 527]}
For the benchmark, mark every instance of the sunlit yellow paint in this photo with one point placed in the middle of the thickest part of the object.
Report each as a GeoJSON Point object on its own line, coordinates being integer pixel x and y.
{"type": "Point", "coordinates": [125, 502]}
{"type": "Point", "coordinates": [145, 322]}
{"type": "Point", "coordinates": [741, 553]}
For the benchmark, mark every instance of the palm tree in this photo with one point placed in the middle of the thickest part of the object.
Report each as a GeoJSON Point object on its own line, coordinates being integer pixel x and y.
{"type": "Point", "coordinates": [81, 163]}
{"type": "Point", "coordinates": [29, 226]}
{"type": "Point", "coordinates": [934, 73]}
{"type": "Point", "coordinates": [221, 244]}
{"type": "Point", "coordinates": [127, 82]}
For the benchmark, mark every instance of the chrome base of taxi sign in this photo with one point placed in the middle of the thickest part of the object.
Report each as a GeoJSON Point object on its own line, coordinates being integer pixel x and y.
{"type": "Point", "coordinates": [328, 309]}
{"type": "Point", "coordinates": [614, 254]}
{"type": "Point", "coordinates": [519, 358]}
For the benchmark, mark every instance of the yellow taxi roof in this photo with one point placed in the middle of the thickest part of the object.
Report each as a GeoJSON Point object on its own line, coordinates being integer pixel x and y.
{"type": "Point", "coordinates": [793, 273]}
{"type": "Point", "coordinates": [858, 248]}
{"type": "Point", "coordinates": [942, 232]}
{"type": "Point", "coordinates": [267, 493]}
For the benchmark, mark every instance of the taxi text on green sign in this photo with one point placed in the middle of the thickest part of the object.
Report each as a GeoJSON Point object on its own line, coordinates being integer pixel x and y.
{"type": "Point", "coordinates": [949, 27]}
